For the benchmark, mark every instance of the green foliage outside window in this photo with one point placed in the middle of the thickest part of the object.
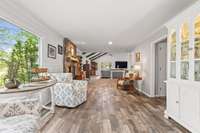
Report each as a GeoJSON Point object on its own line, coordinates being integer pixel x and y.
{"type": "Point", "coordinates": [23, 54]}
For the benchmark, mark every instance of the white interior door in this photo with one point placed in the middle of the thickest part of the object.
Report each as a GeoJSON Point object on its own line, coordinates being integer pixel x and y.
{"type": "Point", "coordinates": [161, 68]}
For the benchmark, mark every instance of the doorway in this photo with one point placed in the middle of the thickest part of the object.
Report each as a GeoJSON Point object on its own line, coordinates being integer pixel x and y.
{"type": "Point", "coordinates": [160, 68]}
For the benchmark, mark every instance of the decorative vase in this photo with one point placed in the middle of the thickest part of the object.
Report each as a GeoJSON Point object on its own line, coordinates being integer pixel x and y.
{"type": "Point", "coordinates": [12, 84]}
{"type": "Point", "coordinates": [131, 75]}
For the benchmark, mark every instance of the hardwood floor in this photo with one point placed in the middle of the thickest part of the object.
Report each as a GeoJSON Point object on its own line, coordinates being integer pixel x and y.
{"type": "Point", "coordinates": [109, 110]}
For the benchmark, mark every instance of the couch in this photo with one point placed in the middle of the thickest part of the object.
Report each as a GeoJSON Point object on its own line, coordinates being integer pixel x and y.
{"type": "Point", "coordinates": [68, 92]}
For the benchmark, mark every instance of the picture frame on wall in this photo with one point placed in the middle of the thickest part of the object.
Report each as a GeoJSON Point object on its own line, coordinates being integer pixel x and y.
{"type": "Point", "coordinates": [138, 56]}
{"type": "Point", "coordinates": [51, 51]}
{"type": "Point", "coordinates": [60, 49]}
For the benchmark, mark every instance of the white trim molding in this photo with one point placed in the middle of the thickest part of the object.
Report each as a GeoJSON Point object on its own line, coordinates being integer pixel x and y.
{"type": "Point", "coordinates": [153, 44]}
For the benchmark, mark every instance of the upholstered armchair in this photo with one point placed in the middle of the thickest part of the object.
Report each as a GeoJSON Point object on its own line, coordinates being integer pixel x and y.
{"type": "Point", "coordinates": [67, 92]}
{"type": "Point", "coordinates": [20, 115]}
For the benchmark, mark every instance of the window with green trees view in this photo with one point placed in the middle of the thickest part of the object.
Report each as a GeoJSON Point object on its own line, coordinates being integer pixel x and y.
{"type": "Point", "coordinates": [18, 47]}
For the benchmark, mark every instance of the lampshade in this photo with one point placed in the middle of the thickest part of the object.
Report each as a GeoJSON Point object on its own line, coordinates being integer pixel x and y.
{"type": "Point", "coordinates": [137, 67]}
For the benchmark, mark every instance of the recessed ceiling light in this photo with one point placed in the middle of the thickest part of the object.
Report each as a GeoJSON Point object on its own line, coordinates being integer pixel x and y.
{"type": "Point", "coordinates": [80, 42]}
{"type": "Point", "coordinates": [110, 43]}
{"type": "Point", "coordinates": [83, 43]}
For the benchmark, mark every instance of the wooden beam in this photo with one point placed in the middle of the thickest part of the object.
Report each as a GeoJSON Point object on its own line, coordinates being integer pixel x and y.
{"type": "Point", "coordinates": [95, 56]}
{"type": "Point", "coordinates": [99, 56]}
{"type": "Point", "coordinates": [90, 54]}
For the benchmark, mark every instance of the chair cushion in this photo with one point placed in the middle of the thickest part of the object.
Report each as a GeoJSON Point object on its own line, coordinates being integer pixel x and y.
{"type": "Point", "coordinates": [19, 124]}
{"type": "Point", "coordinates": [63, 77]}
{"type": "Point", "coordinates": [19, 106]}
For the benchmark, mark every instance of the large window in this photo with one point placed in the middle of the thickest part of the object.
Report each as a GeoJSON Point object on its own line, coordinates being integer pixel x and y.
{"type": "Point", "coordinates": [19, 46]}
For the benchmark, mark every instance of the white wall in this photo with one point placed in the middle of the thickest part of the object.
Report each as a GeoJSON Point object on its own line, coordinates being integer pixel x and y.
{"type": "Point", "coordinates": [112, 58]}
{"type": "Point", "coordinates": [147, 59]}
{"type": "Point", "coordinates": [21, 17]}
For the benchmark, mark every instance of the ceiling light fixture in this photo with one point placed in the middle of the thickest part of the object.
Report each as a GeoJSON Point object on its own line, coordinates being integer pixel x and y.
{"type": "Point", "coordinates": [110, 43]}
{"type": "Point", "coordinates": [83, 43]}
{"type": "Point", "coordinates": [80, 42]}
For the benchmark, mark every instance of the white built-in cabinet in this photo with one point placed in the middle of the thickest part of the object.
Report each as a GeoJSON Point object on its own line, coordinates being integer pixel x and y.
{"type": "Point", "coordinates": [183, 83]}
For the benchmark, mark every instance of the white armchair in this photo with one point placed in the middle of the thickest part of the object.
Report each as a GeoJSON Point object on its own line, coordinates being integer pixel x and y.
{"type": "Point", "coordinates": [19, 115]}
{"type": "Point", "coordinates": [68, 92]}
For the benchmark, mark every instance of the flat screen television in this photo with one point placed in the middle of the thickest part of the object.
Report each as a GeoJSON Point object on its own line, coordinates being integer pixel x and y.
{"type": "Point", "coordinates": [121, 64]}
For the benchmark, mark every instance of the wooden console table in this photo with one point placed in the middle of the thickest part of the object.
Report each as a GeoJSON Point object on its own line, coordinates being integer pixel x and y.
{"type": "Point", "coordinates": [35, 90]}
{"type": "Point", "coordinates": [127, 82]}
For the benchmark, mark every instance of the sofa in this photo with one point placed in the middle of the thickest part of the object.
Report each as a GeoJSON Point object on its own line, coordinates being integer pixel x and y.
{"type": "Point", "coordinates": [19, 115]}
{"type": "Point", "coordinates": [68, 92]}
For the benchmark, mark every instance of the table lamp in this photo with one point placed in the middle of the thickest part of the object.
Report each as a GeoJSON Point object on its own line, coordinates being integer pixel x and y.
{"type": "Point", "coordinates": [137, 69]}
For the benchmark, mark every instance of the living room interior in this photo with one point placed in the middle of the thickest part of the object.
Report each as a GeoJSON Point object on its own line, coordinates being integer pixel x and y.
{"type": "Point", "coordinates": [99, 66]}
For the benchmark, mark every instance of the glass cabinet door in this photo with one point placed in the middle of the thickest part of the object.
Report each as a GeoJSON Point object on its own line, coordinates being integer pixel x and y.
{"type": "Point", "coordinates": [173, 70]}
{"type": "Point", "coordinates": [173, 47]}
{"type": "Point", "coordinates": [188, 57]}
{"type": "Point", "coordinates": [185, 51]}
{"type": "Point", "coordinates": [173, 54]}
{"type": "Point", "coordinates": [185, 42]}
{"type": "Point", "coordinates": [197, 71]}
{"type": "Point", "coordinates": [197, 49]}
{"type": "Point", "coordinates": [185, 70]}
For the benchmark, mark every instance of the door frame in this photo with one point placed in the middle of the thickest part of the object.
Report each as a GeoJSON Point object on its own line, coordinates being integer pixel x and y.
{"type": "Point", "coordinates": [158, 81]}
{"type": "Point", "coordinates": [153, 61]}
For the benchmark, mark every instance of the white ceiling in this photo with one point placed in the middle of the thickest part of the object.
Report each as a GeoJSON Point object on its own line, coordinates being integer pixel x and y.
{"type": "Point", "coordinates": [93, 23]}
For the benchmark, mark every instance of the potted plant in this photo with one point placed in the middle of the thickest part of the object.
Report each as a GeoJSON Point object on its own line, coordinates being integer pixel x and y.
{"type": "Point", "coordinates": [10, 79]}
{"type": "Point", "coordinates": [13, 61]}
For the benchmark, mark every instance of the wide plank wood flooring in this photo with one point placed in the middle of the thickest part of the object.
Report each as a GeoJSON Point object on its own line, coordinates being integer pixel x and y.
{"type": "Point", "coordinates": [109, 110]}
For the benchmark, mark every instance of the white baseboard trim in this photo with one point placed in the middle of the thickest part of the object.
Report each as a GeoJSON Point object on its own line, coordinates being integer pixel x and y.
{"type": "Point", "coordinates": [160, 96]}
{"type": "Point", "coordinates": [143, 92]}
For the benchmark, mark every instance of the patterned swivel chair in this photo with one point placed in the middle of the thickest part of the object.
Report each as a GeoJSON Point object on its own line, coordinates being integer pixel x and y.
{"type": "Point", "coordinates": [68, 92]}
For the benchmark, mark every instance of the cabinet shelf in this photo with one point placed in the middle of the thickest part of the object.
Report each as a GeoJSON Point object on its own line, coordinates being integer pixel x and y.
{"type": "Point", "coordinates": [184, 60]}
